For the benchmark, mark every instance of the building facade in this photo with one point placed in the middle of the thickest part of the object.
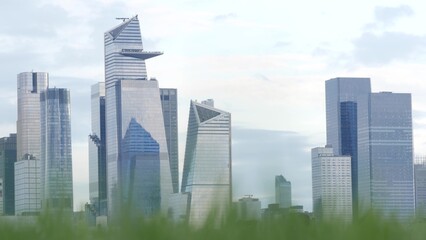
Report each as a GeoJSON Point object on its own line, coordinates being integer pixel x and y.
{"type": "Point", "coordinates": [331, 184]}
{"type": "Point", "coordinates": [248, 208]}
{"type": "Point", "coordinates": [97, 151]}
{"type": "Point", "coordinates": [138, 169]}
{"type": "Point", "coordinates": [207, 166]}
{"type": "Point", "coordinates": [56, 155]}
{"type": "Point", "coordinates": [170, 115]}
{"type": "Point", "coordinates": [342, 96]}
{"type": "Point", "coordinates": [27, 175]}
{"type": "Point", "coordinates": [385, 158]}
{"type": "Point", "coordinates": [7, 173]}
{"type": "Point", "coordinates": [282, 192]}
{"type": "Point", "coordinates": [420, 186]}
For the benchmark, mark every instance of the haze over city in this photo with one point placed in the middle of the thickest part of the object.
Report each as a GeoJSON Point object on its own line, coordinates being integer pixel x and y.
{"type": "Point", "coordinates": [264, 62]}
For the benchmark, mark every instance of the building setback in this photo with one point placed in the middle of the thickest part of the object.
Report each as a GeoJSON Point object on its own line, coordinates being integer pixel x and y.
{"type": "Point", "coordinates": [331, 184]}
{"type": "Point", "coordinates": [207, 166]}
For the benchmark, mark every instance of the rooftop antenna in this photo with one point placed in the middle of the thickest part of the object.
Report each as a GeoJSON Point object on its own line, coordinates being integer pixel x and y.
{"type": "Point", "coordinates": [122, 18]}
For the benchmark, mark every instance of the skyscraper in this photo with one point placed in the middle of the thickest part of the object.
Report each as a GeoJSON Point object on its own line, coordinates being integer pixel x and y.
{"type": "Point", "coordinates": [97, 151]}
{"type": "Point", "coordinates": [55, 156]}
{"type": "Point", "coordinates": [420, 186]}
{"type": "Point", "coordinates": [385, 158]}
{"type": "Point", "coordinates": [282, 192]}
{"type": "Point", "coordinates": [7, 173]}
{"type": "Point", "coordinates": [27, 167]}
{"type": "Point", "coordinates": [138, 168]}
{"type": "Point", "coordinates": [169, 106]}
{"type": "Point", "coordinates": [342, 96]}
{"type": "Point", "coordinates": [207, 166]}
{"type": "Point", "coordinates": [331, 184]}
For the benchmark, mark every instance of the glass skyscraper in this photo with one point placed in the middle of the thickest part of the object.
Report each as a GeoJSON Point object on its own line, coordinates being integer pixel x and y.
{"type": "Point", "coordinates": [342, 96]}
{"type": "Point", "coordinates": [282, 192]}
{"type": "Point", "coordinates": [169, 105]}
{"type": "Point", "coordinates": [97, 151]}
{"type": "Point", "coordinates": [420, 186]}
{"type": "Point", "coordinates": [207, 167]}
{"type": "Point", "coordinates": [138, 168]}
{"type": "Point", "coordinates": [27, 167]}
{"type": "Point", "coordinates": [55, 156]}
{"type": "Point", "coordinates": [385, 154]}
{"type": "Point", "coordinates": [7, 173]}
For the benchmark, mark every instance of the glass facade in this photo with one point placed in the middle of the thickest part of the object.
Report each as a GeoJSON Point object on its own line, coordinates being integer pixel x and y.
{"type": "Point", "coordinates": [385, 154]}
{"type": "Point", "coordinates": [132, 100]}
{"type": "Point", "coordinates": [97, 151]}
{"type": "Point", "coordinates": [207, 166]}
{"type": "Point", "coordinates": [7, 173]}
{"type": "Point", "coordinates": [420, 186]}
{"type": "Point", "coordinates": [27, 196]}
{"type": "Point", "coordinates": [56, 160]}
{"type": "Point", "coordinates": [27, 188]}
{"type": "Point", "coordinates": [331, 184]}
{"type": "Point", "coordinates": [282, 192]}
{"type": "Point", "coordinates": [342, 95]}
{"type": "Point", "coordinates": [170, 115]}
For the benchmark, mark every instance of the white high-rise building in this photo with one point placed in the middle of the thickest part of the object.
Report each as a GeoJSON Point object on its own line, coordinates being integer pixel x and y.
{"type": "Point", "coordinates": [27, 167]}
{"type": "Point", "coordinates": [207, 166]}
{"type": "Point", "coordinates": [331, 184]}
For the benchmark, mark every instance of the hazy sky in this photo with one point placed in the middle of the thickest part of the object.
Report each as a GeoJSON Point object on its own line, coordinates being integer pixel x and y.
{"type": "Point", "coordinates": [263, 61]}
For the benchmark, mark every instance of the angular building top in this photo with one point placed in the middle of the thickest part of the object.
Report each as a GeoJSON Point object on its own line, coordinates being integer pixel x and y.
{"type": "Point", "coordinates": [124, 54]}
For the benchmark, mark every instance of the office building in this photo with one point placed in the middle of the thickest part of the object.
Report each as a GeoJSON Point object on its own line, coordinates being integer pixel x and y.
{"type": "Point", "coordinates": [7, 173]}
{"type": "Point", "coordinates": [385, 154]}
{"type": "Point", "coordinates": [27, 168]}
{"type": "Point", "coordinates": [342, 96]}
{"type": "Point", "coordinates": [97, 151]}
{"type": "Point", "coordinates": [420, 186]}
{"type": "Point", "coordinates": [138, 169]}
{"type": "Point", "coordinates": [248, 208]}
{"type": "Point", "coordinates": [207, 166]}
{"type": "Point", "coordinates": [55, 154]}
{"type": "Point", "coordinates": [282, 192]}
{"type": "Point", "coordinates": [331, 185]}
{"type": "Point", "coordinates": [169, 106]}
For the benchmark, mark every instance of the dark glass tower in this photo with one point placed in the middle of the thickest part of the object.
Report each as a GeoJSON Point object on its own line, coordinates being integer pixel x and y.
{"type": "Point", "coordinates": [169, 105]}
{"type": "Point", "coordinates": [7, 172]}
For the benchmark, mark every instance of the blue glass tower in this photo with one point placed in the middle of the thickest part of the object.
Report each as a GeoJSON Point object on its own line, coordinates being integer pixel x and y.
{"type": "Point", "coordinates": [385, 154]}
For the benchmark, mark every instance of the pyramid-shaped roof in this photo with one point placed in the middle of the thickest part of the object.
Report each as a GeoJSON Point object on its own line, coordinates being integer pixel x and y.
{"type": "Point", "coordinates": [115, 32]}
{"type": "Point", "coordinates": [205, 114]}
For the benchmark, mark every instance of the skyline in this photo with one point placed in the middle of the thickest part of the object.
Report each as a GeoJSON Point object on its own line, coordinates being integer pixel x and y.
{"type": "Point", "coordinates": [270, 62]}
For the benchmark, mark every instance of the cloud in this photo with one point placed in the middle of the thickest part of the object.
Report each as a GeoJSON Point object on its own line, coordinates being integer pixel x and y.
{"type": "Point", "coordinates": [280, 44]}
{"type": "Point", "coordinates": [387, 16]}
{"type": "Point", "coordinates": [377, 49]}
{"type": "Point", "coordinates": [223, 17]}
{"type": "Point", "coordinates": [259, 155]}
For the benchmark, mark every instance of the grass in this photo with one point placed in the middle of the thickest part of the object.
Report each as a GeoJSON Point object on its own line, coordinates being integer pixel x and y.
{"type": "Point", "coordinates": [293, 227]}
